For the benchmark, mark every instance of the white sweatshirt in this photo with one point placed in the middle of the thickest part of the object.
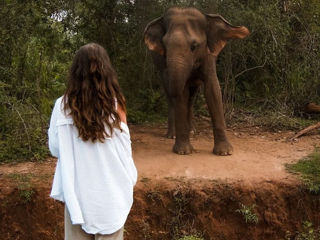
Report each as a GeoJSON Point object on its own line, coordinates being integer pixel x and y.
{"type": "Point", "coordinates": [95, 180]}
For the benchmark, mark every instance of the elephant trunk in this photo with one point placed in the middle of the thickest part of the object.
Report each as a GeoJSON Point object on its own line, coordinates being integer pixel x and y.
{"type": "Point", "coordinates": [179, 70]}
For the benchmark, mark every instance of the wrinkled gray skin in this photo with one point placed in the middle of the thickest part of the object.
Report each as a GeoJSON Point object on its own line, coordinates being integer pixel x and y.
{"type": "Point", "coordinates": [185, 44]}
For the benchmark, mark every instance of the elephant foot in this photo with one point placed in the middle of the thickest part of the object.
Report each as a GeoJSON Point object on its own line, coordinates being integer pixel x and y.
{"type": "Point", "coordinates": [223, 148]}
{"type": "Point", "coordinates": [171, 135]}
{"type": "Point", "coordinates": [192, 133]}
{"type": "Point", "coordinates": [183, 149]}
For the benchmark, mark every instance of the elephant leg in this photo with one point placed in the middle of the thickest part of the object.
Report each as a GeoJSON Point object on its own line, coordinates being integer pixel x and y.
{"type": "Point", "coordinates": [182, 144]}
{"type": "Point", "coordinates": [213, 97]}
{"type": "Point", "coordinates": [171, 123]}
{"type": "Point", "coordinates": [193, 93]}
{"type": "Point", "coordinates": [171, 133]}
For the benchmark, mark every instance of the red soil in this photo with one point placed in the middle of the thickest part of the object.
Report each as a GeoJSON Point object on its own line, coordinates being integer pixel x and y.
{"type": "Point", "coordinates": [180, 195]}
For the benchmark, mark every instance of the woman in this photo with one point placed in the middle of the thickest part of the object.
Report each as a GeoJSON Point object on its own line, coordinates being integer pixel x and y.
{"type": "Point", "coordinates": [95, 172]}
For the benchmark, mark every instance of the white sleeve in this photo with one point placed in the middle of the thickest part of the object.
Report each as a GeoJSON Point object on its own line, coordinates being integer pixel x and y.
{"type": "Point", "coordinates": [123, 145]}
{"type": "Point", "coordinates": [68, 172]}
{"type": "Point", "coordinates": [53, 140]}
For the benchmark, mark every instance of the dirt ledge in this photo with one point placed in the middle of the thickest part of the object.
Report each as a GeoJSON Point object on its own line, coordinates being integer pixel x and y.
{"type": "Point", "coordinates": [168, 208]}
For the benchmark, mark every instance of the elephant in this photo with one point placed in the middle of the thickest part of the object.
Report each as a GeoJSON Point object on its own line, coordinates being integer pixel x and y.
{"type": "Point", "coordinates": [184, 45]}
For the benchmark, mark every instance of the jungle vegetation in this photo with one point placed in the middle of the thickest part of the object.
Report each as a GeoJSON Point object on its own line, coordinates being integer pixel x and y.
{"type": "Point", "coordinates": [274, 72]}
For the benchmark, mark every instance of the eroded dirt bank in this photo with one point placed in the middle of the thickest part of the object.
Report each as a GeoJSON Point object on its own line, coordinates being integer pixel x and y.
{"type": "Point", "coordinates": [168, 208]}
{"type": "Point", "coordinates": [181, 195]}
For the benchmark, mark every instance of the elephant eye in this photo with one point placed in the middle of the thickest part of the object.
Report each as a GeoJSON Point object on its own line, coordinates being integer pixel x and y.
{"type": "Point", "coordinates": [193, 46]}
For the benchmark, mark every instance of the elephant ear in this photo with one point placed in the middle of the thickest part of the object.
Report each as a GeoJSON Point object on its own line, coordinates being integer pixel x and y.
{"type": "Point", "coordinates": [153, 34]}
{"type": "Point", "coordinates": [219, 31]}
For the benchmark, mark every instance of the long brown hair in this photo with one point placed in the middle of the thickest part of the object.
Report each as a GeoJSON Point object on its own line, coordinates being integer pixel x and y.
{"type": "Point", "coordinates": [91, 93]}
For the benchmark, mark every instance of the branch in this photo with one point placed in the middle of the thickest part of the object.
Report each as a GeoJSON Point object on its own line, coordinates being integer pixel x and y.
{"type": "Point", "coordinates": [249, 69]}
{"type": "Point", "coordinates": [24, 125]}
{"type": "Point", "coordinates": [304, 131]}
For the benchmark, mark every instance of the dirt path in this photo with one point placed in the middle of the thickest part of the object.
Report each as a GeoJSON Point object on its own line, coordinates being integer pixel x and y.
{"type": "Point", "coordinates": [258, 156]}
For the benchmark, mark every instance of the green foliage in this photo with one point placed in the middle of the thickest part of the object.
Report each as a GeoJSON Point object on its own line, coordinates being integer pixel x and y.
{"type": "Point", "coordinates": [192, 237]}
{"type": "Point", "coordinates": [24, 185]}
{"type": "Point", "coordinates": [154, 196]}
{"type": "Point", "coordinates": [281, 74]}
{"type": "Point", "coordinates": [26, 192]}
{"type": "Point", "coordinates": [248, 214]}
{"type": "Point", "coordinates": [31, 76]}
{"type": "Point", "coordinates": [308, 233]}
{"type": "Point", "coordinates": [23, 136]}
{"type": "Point", "coordinates": [273, 119]}
{"type": "Point", "coordinates": [181, 224]}
{"type": "Point", "coordinates": [149, 106]}
{"type": "Point", "coordinates": [309, 168]}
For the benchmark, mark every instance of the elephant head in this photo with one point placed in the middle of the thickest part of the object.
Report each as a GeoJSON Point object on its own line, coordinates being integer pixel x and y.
{"type": "Point", "coordinates": [184, 36]}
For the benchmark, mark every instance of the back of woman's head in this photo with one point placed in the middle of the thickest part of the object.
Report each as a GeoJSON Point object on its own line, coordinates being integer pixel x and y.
{"type": "Point", "coordinates": [91, 93]}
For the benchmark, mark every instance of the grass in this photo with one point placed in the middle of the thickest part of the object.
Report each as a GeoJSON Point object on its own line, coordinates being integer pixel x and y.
{"type": "Point", "coordinates": [309, 169]}
{"type": "Point", "coordinates": [271, 119]}
{"type": "Point", "coordinates": [248, 214]}
{"type": "Point", "coordinates": [26, 192]}
{"type": "Point", "coordinates": [24, 186]}
{"type": "Point", "coordinates": [145, 179]}
{"type": "Point", "coordinates": [191, 237]}
{"type": "Point", "coordinates": [278, 121]}
{"type": "Point", "coordinates": [154, 196]}
{"type": "Point", "coordinates": [308, 233]}
{"type": "Point", "coordinates": [181, 225]}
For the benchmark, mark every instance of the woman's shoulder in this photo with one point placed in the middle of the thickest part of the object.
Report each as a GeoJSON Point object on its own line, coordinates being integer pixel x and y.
{"type": "Point", "coordinates": [63, 116]}
{"type": "Point", "coordinates": [58, 102]}
{"type": "Point", "coordinates": [59, 105]}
